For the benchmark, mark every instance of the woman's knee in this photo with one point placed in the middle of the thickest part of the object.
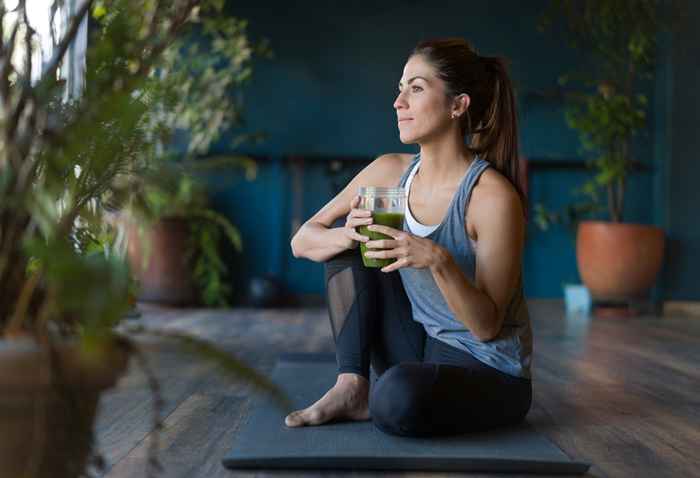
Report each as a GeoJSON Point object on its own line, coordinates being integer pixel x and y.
{"type": "Point", "coordinates": [346, 273]}
{"type": "Point", "coordinates": [399, 401]}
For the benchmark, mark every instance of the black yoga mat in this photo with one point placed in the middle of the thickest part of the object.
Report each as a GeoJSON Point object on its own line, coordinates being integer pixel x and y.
{"type": "Point", "coordinates": [264, 441]}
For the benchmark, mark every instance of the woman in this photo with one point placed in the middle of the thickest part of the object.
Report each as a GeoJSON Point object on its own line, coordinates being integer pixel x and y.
{"type": "Point", "coordinates": [445, 327]}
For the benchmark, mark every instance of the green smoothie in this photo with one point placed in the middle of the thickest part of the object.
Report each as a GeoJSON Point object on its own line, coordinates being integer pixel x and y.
{"type": "Point", "coordinates": [391, 219]}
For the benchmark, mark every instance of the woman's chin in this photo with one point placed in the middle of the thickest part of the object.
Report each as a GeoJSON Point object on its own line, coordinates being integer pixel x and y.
{"type": "Point", "coordinates": [405, 139]}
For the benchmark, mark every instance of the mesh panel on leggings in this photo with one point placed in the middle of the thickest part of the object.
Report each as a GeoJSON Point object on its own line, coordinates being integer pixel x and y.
{"type": "Point", "coordinates": [341, 295]}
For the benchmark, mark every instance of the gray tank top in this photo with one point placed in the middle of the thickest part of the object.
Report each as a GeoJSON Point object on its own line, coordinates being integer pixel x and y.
{"type": "Point", "coordinates": [511, 350]}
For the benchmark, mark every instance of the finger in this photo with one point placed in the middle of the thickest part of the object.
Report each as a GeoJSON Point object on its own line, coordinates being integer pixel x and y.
{"type": "Point", "coordinates": [383, 244]}
{"type": "Point", "coordinates": [357, 222]}
{"type": "Point", "coordinates": [383, 254]}
{"type": "Point", "coordinates": [389, 231]}
{"type": "Point", "coordinates": [358, 237]}
{"type": "Point", "coordinates": [354, 209]}
{"type": "Point", "coordinates": [360, 212]}
{"type": "Point", "coordinates": [398, 264]}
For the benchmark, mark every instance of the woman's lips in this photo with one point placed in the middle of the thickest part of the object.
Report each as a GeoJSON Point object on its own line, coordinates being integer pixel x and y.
{"type": "Point", "coordinates": [404, 120]}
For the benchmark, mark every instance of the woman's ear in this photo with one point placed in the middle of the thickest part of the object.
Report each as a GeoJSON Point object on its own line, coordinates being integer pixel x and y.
{"type": "Point", "coordinates": [464, 101]}
{"type": "Point", "coordinates": [460, 105]}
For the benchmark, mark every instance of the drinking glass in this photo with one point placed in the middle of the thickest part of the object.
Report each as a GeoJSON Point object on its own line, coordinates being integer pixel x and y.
{"type": "Point", "coordinates": [388, 206]}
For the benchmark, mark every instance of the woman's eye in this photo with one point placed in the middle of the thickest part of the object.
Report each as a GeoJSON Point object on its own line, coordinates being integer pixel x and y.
{"type": "Point", "coordinates": [413, 88]}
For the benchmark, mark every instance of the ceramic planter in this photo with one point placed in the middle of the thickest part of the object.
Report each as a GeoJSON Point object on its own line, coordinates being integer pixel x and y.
{"type": "Point", "coordinates": [619, 261]}
{"type": "Point", "coordinates": [47, 419]}
{"type": "Point", "coordinates": [167, 275]}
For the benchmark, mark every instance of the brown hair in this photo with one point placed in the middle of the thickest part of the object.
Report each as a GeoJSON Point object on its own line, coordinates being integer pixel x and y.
{"type": "Point", "coordinates": [491, 118]}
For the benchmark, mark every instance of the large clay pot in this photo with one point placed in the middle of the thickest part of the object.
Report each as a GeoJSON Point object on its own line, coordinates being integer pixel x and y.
{"type": "Point", "coordinates": [47, 418]}
{"type": "Point", "coordinates": [166, 275]}
{"type": "Point", "coordinates": [619, 261]}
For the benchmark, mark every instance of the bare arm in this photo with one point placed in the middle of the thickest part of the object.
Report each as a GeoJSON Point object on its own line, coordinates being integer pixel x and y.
{"type": "Point", "coordinates": [470, 305]}
{"type": "Point", "coordinates": [317, 242]}
{"type": "Point", "coordinates": [500, 226]}
{"type": "Point", "coordinates": [316, 239]}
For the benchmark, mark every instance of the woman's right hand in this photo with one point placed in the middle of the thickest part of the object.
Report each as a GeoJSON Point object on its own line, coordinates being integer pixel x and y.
{"type": "Point", "coordinates": [356, 218]}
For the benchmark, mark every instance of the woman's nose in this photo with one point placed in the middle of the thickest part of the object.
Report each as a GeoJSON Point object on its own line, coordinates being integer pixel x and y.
{"type": "Point", "coordinates": [399, 102]}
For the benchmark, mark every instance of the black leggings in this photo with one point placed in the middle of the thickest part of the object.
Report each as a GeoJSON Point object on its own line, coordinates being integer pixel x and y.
{"type": "Point", "coordinates": [424, 386]}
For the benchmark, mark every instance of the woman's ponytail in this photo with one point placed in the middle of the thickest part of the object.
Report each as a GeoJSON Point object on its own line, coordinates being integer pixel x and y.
{"type": "Point", "coordinates": [496, 138]}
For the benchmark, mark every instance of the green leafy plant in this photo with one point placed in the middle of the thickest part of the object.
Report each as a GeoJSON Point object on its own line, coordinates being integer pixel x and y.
{"type": "Point", "coordinates": [209, 231]}
{"type": "Point", "coordinates": [190, 105]}
{"type": "Point", "coordinates": [608, 103]}
{"type": "Point", "coordinates": [66, 166]}
{"type": "Point", "coordinates": [569, 217]}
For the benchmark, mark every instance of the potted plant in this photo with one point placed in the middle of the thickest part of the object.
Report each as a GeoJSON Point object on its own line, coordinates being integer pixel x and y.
{"type": "Point", "coordinates": [61, 300]}
{"type": "Point", "coordinates": [175, 241]}
{"type": "Point", "coordinates": [617, 261]}
{"type": "Point", "coordinates": [175, 237]}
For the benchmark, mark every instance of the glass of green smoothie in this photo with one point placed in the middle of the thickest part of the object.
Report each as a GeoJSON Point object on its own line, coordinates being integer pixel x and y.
{"type": "Point", "coordinates": [387, 206]}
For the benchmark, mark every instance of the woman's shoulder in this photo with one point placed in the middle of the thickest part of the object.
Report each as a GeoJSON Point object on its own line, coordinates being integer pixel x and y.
{"type": "Point", "coordinates": [492, 183]}
{"type": "Point", "coordinates": [493, 189]}
{"type": "Point", "coordinates": [402, 160]}
{"type": "Point", "coordinates": [394, 165]}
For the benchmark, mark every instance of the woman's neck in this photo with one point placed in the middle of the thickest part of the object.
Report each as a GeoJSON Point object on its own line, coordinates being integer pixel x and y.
{"type": "Point", "coordinates": [443, 162]}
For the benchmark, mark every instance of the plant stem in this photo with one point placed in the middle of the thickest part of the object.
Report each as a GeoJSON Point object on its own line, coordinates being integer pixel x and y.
{"type": "Point", "coordinates": [611, 201]}
{"type": "Point", "coordinates": [25, 296]}
{"type": "Point", "coordinates": [621, 187]}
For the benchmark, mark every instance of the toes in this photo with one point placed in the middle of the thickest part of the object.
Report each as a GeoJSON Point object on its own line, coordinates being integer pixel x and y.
{"type": "Point", "coordinates": [294, 419]}
{"type": "Point", "coordinates": [312, 416]}
{"type": "Point", "coordinates": [308, 416]}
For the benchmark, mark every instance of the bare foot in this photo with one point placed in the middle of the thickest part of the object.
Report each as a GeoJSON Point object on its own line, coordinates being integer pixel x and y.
{"type": "Point", "coordinates": [347, 400]}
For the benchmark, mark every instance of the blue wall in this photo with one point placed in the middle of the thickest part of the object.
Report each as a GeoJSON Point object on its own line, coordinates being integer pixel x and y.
{"type": "Point", "coordinates": [329, 93]}
{"type": "Point", "coordinates": [681, 123]}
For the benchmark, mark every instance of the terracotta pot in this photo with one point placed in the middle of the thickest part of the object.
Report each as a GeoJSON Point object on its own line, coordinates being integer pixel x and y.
{"type": "Point", "coordinates": [47, 420]}
{"type": "Point", "coordinates": [619, 261]}
{"type": "Point", "coordinates": [166, 276]}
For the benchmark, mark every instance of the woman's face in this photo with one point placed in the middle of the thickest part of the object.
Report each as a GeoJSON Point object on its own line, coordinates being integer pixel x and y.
{"type": "Point", "coordinates": [422, 108]}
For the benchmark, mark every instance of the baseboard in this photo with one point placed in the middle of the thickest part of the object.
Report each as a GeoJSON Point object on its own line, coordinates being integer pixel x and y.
{"type": "Point", "coordinates": [684, 308]}
{"type": "Point", "coordinates": [306, 300]}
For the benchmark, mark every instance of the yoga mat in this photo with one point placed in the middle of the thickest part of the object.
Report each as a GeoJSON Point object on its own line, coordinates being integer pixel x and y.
{"type": "Point", "coordinates": [264, 441]}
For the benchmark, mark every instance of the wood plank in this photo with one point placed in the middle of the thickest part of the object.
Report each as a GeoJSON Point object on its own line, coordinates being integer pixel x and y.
{"type": "Point", "coordinates": [686, 308]}
{"type": "Point", "coordinates": [194, 439]}
{"type": "Point", "coordinates": [620, 393]}
{"type": "Point", "coordinates": [126, 412]}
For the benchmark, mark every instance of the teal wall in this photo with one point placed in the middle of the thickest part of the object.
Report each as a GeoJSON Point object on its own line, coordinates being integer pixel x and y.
{"type": "Point", "coordinates": [329, 94]}
{"type": "Point", "coordinates": [681, 154]}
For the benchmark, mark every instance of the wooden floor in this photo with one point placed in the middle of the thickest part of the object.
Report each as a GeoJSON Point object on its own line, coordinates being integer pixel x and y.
{"type": "Point", "coordinates": [623, 394]}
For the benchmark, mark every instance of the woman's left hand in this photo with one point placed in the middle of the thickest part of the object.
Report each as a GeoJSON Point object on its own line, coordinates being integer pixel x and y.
{"type": "Point", "coordinates": [408, 249]}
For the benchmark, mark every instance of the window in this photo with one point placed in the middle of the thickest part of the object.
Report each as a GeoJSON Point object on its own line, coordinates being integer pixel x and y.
{"type": "Point", "coordinates": [48, 35]}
